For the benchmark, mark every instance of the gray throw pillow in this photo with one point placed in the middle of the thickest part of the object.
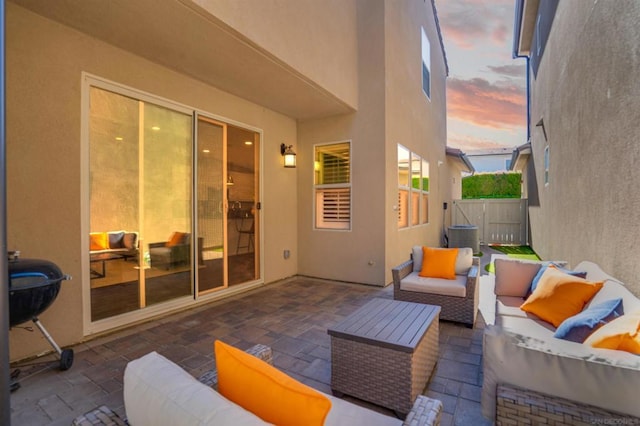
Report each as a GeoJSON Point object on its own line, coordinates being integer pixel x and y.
{"type": "Point", "coordinates": [514, 276]}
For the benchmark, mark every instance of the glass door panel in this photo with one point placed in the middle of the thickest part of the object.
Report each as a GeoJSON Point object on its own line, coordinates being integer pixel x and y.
{"type": "Point", "coordinates": [243, 218]}
{"type": "Point", "coordinates": [114, 204]}
{"type": "Point", "coordinates": [165, 197]}
{"type": "Point", "coordinates": [213, 186]}
{"type": "Point", "coordinates": [140, 203]}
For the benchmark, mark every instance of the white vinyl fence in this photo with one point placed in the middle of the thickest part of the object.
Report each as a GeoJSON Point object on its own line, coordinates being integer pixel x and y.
{"type": "Point", "coordinates": [499, 220]}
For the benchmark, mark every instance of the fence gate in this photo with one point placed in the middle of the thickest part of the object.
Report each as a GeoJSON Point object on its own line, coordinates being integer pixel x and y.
{"type": "Point", "coordinates": [499, 220]}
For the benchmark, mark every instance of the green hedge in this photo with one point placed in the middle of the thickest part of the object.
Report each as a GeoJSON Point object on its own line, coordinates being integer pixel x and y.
{"type": "Point", "coordinates": [486, 185]}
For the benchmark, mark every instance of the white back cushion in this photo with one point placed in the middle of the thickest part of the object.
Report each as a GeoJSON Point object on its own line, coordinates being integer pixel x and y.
{"type": "Point", "coordinates": [159, 392]}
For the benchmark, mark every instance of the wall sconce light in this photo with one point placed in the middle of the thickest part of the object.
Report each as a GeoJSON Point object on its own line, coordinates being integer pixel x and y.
{"type": "Point", "coordinates": [289, 155]}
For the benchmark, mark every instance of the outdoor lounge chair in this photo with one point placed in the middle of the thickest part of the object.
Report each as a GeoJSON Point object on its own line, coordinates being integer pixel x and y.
{"type": "Point", "coordinates": [457, 298]}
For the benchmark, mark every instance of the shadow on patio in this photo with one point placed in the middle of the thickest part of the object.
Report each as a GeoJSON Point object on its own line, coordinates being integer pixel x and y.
{"type": "Point", "coordinates": [291, 316]}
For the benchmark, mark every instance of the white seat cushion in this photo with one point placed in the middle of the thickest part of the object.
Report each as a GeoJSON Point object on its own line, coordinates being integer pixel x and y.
{"type": "Point", "coordinates": [414, 282]}
{"type": "Point", "coordinates": [532, 327]}
{"type": "Point", "coordinates": [600, 377]}
{"type": "Point", "coordinates": [509, 305]}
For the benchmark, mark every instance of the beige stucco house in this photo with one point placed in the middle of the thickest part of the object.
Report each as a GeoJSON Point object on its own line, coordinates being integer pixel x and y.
{"type": "Point", "coordinates": [581, 160]}
{"type": "Point", "coordinates": [164, 120]}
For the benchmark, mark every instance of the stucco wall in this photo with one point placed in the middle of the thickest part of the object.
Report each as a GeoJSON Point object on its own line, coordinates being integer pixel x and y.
{"type": "Point", "coordinates": [356, 255]}
{"type": "Point", "coordinates": [392, 109]}
{"type": "Point", "coordinates": [588, 92]}
{"type": "Point", "coordinates": [415, 122]}
{"type": "Point", "coordinates": [44, 65]}
{"type": "Point", "coordinates": [303, 34]}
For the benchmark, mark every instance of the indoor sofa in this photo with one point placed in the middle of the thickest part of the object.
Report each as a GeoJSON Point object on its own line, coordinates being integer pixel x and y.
{"type": "Point", "coordinates": [158, 392]}
{"type": "Point", "coordinates": [536, 372]}
{"type": "Point", "coordinates": [458, 297]}
{"type": "Point", "coordinates": [122, 243]}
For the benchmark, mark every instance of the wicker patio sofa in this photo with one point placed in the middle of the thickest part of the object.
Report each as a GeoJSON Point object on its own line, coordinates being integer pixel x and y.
{"type": "Point", "coordinates": [156, 391]}
{"type": "Point", "coordinates": [532, 377]}
{"type": "Point", "coordinates": [462, 307]}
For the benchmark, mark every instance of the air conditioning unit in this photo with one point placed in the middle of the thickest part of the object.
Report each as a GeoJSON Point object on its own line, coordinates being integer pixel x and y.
{"type": "Point", "coordinates": [464, 236]}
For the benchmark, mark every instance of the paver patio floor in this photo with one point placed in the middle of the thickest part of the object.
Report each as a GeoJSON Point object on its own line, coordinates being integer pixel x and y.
{"type": "Point", "coordinates": [291, 316]}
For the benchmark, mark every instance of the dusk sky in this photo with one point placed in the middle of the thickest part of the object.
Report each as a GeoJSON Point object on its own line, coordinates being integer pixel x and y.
{"type": "Point", "coordinates": [486, 87]}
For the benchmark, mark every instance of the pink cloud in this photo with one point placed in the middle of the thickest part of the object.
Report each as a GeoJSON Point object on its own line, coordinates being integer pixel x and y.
{"type": "Point", "coordinates": [479, 102]}
{"type": "Point", "coordinates": [509, 70]}
{"type": "Point", "coordinates": [468, 22]}
{"type": "Point", "coordinates": [500, 33]}
{"type": "Point", "coordinates": [468, 143]}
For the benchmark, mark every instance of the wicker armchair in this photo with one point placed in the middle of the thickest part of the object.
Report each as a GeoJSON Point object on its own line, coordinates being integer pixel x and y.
{"type": "Point", "coordinates": [453, 308]}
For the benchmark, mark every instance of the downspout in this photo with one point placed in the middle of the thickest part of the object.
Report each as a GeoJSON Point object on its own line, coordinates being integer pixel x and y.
{"type": "Point", "coordinates": [518, 26]}
{"type": "Point", "coordinates": [528, 98]}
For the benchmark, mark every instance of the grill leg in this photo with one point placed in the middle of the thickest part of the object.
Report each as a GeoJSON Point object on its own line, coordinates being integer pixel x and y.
{"type": "Point", "coordinates": [66, 356]}
{"type": "Point", "coordinates": [46, 334]}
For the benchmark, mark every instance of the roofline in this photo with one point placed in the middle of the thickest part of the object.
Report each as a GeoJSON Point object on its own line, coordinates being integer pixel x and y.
{"type": "Point", "coordinates": [455, 152]}
{"type": "Point", "coordinates": [444, 53]}
{"type": "Point", "coordinates": [517, 24]}
{"type": "Point", "coordinates": [519, 152]}
{"type": "Point", "coordinates": [526, 12]}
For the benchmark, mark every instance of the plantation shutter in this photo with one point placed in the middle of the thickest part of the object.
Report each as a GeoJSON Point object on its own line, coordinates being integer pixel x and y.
{"type": "Point", "coordinates": [333, 186]}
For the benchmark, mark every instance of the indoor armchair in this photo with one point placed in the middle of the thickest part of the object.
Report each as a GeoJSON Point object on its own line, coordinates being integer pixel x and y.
{"type": "Point", "coordinates": [171, 253]}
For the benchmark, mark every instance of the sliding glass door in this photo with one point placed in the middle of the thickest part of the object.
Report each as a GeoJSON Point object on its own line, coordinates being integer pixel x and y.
{"type": "Point", "coordinates": [227, 189]}
{"type": "Point", "coordinates": [173, 203]}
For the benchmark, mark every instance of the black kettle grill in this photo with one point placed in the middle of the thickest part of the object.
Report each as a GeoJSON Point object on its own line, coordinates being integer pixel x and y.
{"type": "Point", "coordinates": [33, 286]}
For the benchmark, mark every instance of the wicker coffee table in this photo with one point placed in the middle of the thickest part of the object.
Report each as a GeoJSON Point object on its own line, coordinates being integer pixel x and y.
{"type": "Point", "coordinates": [385, 352]}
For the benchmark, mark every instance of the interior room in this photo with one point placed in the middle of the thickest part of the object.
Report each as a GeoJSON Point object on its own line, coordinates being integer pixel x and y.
{"type": "Point", "coordinates": [154, 183]}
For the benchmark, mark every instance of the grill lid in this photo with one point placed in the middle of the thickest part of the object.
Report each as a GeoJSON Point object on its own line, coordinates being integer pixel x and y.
{"type": "Point", "coordinates": [25, 273]}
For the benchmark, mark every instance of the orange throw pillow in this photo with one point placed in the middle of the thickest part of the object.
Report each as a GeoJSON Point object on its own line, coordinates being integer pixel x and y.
{"type": "Point", "coordinates": [98, 241]}
{"type": "Point", "coordinates": [266, 391]}
{"type": "Point", "coordinates": [623, 334]}
{"type": "Point", "coordinates": [439, 263]}
{"type": "Point", "coordinates": [559, 296]}
{"type": "Point", "coordinates": [176, 238]}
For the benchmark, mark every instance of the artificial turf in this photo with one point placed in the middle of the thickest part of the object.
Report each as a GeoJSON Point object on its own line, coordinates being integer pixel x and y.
{"type": "Point", "coordinates": [517, 252]}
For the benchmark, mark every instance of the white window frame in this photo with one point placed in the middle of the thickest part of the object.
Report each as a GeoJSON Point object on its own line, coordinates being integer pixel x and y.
{"type": "Point", "coordinates": [404, 187]}
{"type": "Point", "coordinates": [546, 165]}
{"type": "Point", "coordinates": [339, 192]}
{"type": "Point", "coordinates": [413, 202]}
{"type": "Point", "coordinates": [424, 192]}
{"type": "Point", "coordinates": [426, 64]}
{"type": "Point", "coordinates": [416, 193]}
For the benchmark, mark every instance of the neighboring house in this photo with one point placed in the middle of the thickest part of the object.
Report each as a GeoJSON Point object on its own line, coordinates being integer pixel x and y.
{"type": "Point", "coordinates": [461, 166]}
{"type": "Point", "coordinates": [490, 160]}
{"type": "Point", "coordinates": [167, 118]}
{"type": "Point", "coordinates": [584, 107]}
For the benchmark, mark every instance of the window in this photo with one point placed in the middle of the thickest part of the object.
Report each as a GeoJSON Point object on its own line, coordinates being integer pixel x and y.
{"type": "Point", "coordinates": [333, 186]}
{"type": "Point", "coordinates": [426, 65]}
{"type": "Point", "coordinates": [416, 186]}
{"type": "Point", "coordinates": [403, 187]}
{"type": "Point", "coordinates": [546, 165]}
{"type": "Point", "coordinates": [424, 189]}
{"type": "Point", "coordinates": [413, 189]}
